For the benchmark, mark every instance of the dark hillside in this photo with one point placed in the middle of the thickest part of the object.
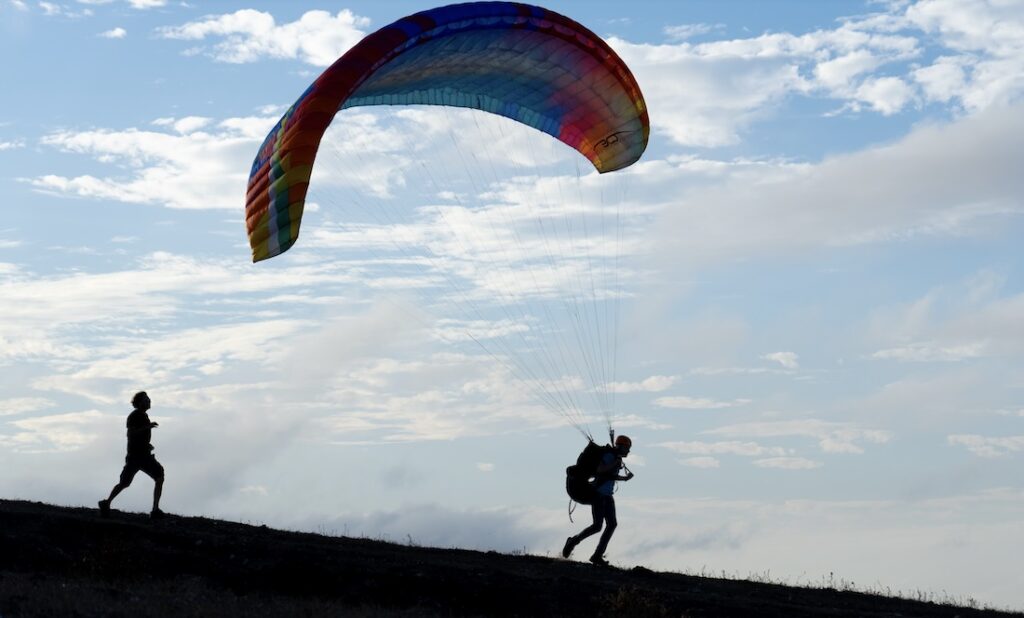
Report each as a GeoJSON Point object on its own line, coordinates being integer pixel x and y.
{"type": "Point", "coordinates": [57, 561]}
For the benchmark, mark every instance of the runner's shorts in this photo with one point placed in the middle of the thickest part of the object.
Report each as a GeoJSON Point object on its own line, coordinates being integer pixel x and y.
{"type": "Point", "coordinates": [146, 463]}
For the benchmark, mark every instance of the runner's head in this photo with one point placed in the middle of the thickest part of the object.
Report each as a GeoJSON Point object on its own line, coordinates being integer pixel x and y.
{"type": "Point", "coordinates": [141, 401]}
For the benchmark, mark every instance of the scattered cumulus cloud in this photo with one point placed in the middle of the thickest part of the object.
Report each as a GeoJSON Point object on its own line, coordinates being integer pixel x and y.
{"type": "Point", "coordinates": [989, 447]}
{"type": "Point", "coordinates": [786, 359]}
{"type": "Point", "coordinates": [700, 462]}
{"type": "Point", "coordinates": [962, 320]}
{"type": "Point", "coordinates": [115, 33]}
{"type": "Point", "coordinates": [926, 352]}
{"type": "Point", "coordinates": [940, 181]}
{"type": "Point", "coordinates": [718, 371]}
{"type": "Point", "coordinates": [186, 125]}
{"type": "Point", "coordinates": [52, 9]}
{"type": "Point", "coordinates": [787, 463]}
{"type": "Point", "coordinates": [832, 437]}
{"type": "Point", "coordinates": [689, 31]}
{"type": "Point", "coordinates": [317, 37]}
{"type": "Point", "coordinates": [682, 402]}
{"type": "Point", "coordinates": [631, 421]}
{"type": "Point", "coordinates": [58, 432]}
{"type": "Point", "coordinates": [744, 449]}
{"type": "Point", "coordinates": [189, 168]}
{"type": "Point", "coordinates": [135, 4]}
{"type": "Point", "coordinates": [652, 384]}
{"type": "Point", "coordinates": [985, 66]}
{"type": "Point", "coordinates": [886, 95]}
{"type": "Point", "coordinates": [22, 405]}
{"type": "Point", "coordinates": [707, 94]}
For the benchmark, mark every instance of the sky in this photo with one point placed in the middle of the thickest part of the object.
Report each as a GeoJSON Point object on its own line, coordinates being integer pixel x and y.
{"type": "Point", "coordinates": [805, 300]}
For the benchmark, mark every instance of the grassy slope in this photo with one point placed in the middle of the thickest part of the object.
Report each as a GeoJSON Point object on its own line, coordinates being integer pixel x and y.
{"type": "Point", "coordinates": [69, 561]}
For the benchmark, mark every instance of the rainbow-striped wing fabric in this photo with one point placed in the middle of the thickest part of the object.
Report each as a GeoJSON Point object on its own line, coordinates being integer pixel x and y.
{"type": "Point", "coordinates": [515, 60]}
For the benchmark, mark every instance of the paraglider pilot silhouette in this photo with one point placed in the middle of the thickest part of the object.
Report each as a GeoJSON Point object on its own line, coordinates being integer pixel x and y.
{"type": "Point", "coordinates": [525, 63]}
{"type": "Point", "coordinates": [599, 493]}
{"type": "Point", "coordinates": [140, 456]}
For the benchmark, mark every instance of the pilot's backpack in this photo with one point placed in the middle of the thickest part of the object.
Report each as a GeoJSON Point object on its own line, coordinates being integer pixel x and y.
{"type": "Point", "coordinates": [578, 477]}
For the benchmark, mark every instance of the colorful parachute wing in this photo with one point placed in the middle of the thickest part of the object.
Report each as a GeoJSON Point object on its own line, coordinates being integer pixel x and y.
{"type": "Point", "coordinates": [515, 60]}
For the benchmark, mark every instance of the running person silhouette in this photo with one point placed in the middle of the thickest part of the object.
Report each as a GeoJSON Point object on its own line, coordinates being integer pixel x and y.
{"type": "Point", "coordinates": [140, 456]}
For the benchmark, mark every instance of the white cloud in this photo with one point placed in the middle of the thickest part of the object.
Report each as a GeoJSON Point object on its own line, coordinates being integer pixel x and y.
{"type": "Point", "coordinates": [837, 73]}
{"type": "Point", "coordinates": [58, 432]}
{"type": "Point", "coordinates": [135, 4]}
{"type": "Point", "coordinates": [700, 462]}
{"type": "Point", "coordinates": [115, 33]}
{"type": "Point", "coordinates": [11, 145]}
{"type": "Point", "coordinates": [743, 449]}
{"type": "Point", "coordinates": [704, 99]}
{"type": "Point", "coordinates": [631, 421]}
{"type": "Point", "coordinates": [939, 181]}
{"type": "Point", "coordinates": [944, 79]}
{"type": "Point", "coordinates": [717, 371]}
{"type": "Point", "coordinates": [688, 31]}
{"type": "Point", "coordinates": [985, 446]}
{"type": "Point", "coordinates": [931, 352]}
{"type": "Point", "coordinates": [652, 384]}
{"type": "Point", "coordinates": [41, 313]}
{"type": "Point", "coordinates": [787, 463]}
{"type": "Point", "coordinates": [137, 327]}
{"type": "Point", "coordinates": [190, 124]}
{"type": "Point", "coordinates": [51, 9]}
{"type": "Point", "coordinates": [832, 437]}
{"type": "Point", "coordinates": [706, 94]}
{"type": "Point", "coordinates": [683, 402]}
{"type": "Point", "coordinates": [988, 68]}
{"type": "Point", "coordinates": [316, 38]}
{"type": "Point", "coordinates": [241, 358]}
{"type": "Point", "coordinates": [485, 467]}
{"type": "Point", "coordinates": [786, 359]}
{"type": "Point", "coordinates": [22, 405]}
{"type": "Point", "coordinates": [193, 170]}
{"type": "Point", "coordinates": [887, 95]}
{"type": "Point", "coordinates": [960, 320]}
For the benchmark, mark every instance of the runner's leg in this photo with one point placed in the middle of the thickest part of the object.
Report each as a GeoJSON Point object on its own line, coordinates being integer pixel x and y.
{"type": "Point", "coordinates": [610, 522]}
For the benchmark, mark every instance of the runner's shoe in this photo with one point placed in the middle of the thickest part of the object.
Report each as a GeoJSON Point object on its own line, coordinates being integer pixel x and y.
{"type": "Point", "coordinates": [570, 544]}
{"type": "Point", "coordinates": [599, 561]}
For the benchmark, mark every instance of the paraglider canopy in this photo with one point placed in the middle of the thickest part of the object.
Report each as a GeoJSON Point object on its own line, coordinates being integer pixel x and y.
{"type": "Point", "coordinates": [520, 61]}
